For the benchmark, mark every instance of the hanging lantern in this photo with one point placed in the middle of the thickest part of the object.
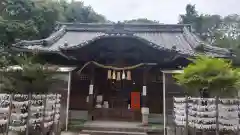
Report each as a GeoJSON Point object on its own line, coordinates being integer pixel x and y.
{"type": "Point", "coordinates": [114, 75]}
{"type": "Point", "coordinates": [129, 75]}
{"type": "Point", "coordinates": [109, 74]}
{"type": "Point", "coordinates": [118, 76]}
{"type": "Point", "coordinates": [123, 75]}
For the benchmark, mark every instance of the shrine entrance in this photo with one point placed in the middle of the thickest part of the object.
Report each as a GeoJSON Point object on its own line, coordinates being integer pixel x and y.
{"type": "Point", "coordinates": [112, 97]}
{"type": "Point", "coordinates": [119, 45]}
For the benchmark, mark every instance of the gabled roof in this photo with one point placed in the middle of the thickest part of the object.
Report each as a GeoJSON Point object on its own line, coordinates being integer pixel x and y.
{"type": "Point", "coordinates": [176, 37]}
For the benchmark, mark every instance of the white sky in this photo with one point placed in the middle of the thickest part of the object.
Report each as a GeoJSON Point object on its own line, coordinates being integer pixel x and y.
{"type": "Point", "coordinates": [164, 11]}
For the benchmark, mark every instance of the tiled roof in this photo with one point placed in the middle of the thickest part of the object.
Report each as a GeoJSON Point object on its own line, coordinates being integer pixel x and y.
{"type": "Point", "coordinates": [168, 41]}
{"type": "Point", "coordinates": [167, 37]}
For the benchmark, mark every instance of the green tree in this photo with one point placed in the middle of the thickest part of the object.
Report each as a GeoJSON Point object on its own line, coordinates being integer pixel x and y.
{"type": "Point", "coordinates": [203, 25]}
{"type": "Point", "coordinates": [77, 12]}
{"type": "Point", "coordinates": [36, 19]}
{"type": "Point", "coordinates": [47, 13]}
{"type": "Point", "coordinates": [219, 31]}
{"type": "Point", "coordinates": [28, 77]}
{"type": "Point", "coordinates": [213, 75]}
{"type": "Point", "coordinates": [141, 21]}
{"type": "Point", "coordinates": [30, 19]}
{"type": "Point", "coordinates": [190, 17]}
{"type": "Point", "coordinates": [23, 19]}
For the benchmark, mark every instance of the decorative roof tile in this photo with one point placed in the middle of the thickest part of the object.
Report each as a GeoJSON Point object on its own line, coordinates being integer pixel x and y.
{"type": "Point", "coordinates": [75, 38]}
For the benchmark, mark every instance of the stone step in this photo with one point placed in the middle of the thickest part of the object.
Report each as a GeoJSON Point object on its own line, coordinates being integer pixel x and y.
{"type": "Point", "coordinates": [115, 129]}
{"type": "Point", "coordinates": [106, 132]}
{"type": "Point", "coordinates": [122, 129]}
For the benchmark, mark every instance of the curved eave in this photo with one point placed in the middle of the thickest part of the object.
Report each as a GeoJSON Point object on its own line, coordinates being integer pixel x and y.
{"type": "Point", "coordinates": [151, 44]}
{"type": "Point", "coordinates": [38, 50]}
{"type": "Point", "coordinates": [61, 69]}
{"type": "Point", "coordinates": [42, 42]}
{"type": "Point", "coordinates": [41, 51]}
{"type": "Point", "coordinates": [195, 42]}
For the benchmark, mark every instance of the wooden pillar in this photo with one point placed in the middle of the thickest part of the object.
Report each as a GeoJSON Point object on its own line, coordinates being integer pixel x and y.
{"type": "Point", "coordinates": [91, 96]}
{"type": "Point", "coordinates": [29, 113]}
{"type": "Point", "coordinates": [144, 109]}
{"type": "Point", "coordinates": [68, 99]}
{"type": "Point", "coordinates": [217, 115]}
{"type": "Point", "coordinates": [9, 113]}
{"type": "Point", "coordinates": [164, 103]}
{"type": "Point", "coordinates": [186, 111]}
{"type": "Point", "coordinates": [144, 89]}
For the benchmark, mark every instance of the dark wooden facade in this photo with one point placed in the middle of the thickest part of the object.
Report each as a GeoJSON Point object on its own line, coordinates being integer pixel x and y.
{"type": "Point", "coordinates": [160, 47]}
{"type": "Point", "coordinates": [118, 98]}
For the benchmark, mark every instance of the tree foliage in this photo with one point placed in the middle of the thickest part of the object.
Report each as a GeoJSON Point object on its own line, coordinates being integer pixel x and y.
{"type": "Point", "coordinates": [77, 12]}
{"type": "Point", "coordinates": [190, 17]}
{"type": "Point", "coordinates": [202, 24]}
{"type": "Point", "coordinates": [141, 21]}
{"type": "Point", "coordinates": [36, 19]}
{"type": "Point", "coordinates": [219, 31]}
{"type": "Point", "coordinates": [28, 77]}
{"type": "Point", "coordinates": [216, 76]}
{"type": "Point", "coordinates": [31, 19]}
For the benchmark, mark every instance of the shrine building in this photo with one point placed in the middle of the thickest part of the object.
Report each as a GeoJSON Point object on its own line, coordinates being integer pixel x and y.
{"type": "Point", "coordinates": [119, 68]}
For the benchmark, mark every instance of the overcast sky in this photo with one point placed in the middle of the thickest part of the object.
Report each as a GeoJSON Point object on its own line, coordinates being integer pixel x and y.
{"type": "Point", "coordinates": [164, 11]}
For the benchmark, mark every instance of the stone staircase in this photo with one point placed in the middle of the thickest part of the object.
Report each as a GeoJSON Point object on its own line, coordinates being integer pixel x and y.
{"type": "Point", "coordinates": [109, 132]}
{"type": "Point", "coordinates": [113, 128]}
{"type": "Point", "coordinates": [118, 128]}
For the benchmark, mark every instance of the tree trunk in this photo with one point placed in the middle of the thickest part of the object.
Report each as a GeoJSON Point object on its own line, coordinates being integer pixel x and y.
{"type": "Point", "coordinates": [204, 93]}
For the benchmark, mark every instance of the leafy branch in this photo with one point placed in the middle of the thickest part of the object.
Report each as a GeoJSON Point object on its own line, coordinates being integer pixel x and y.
{"type": "Point", "coordinates": [215, 75]}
